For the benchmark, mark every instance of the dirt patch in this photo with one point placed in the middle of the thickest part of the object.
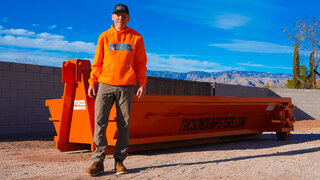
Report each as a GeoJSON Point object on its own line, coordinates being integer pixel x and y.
{"type": "Point", "coordinates": [263, 158]}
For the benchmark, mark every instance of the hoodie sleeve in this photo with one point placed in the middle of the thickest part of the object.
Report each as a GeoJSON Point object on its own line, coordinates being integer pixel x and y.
{"type": "Point", "coordinates": [96, 67]}
{"type": "Point", "coordinates": [140, 62]}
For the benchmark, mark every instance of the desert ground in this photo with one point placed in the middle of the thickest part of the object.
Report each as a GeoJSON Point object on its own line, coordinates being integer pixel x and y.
{"type": "Point", "coordinates": [262, 158]}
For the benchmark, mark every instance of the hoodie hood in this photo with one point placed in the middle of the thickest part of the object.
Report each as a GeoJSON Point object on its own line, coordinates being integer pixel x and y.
{"type": "Point", "coordinates": [127, 29]}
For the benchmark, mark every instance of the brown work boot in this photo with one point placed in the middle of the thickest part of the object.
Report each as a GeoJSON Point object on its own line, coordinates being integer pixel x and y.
{"type": "Point", "coordinates": [95, 169]}
{"type": "Point", "coordinates": [119, 167]}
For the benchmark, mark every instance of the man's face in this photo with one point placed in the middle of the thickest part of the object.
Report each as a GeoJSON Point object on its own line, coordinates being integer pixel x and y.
{"type": "Point", "coordinates": [120, 19]}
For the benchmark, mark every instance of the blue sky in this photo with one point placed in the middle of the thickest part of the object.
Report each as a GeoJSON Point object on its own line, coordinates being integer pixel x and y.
{"type": "Point", "coordinates": [179, 35]}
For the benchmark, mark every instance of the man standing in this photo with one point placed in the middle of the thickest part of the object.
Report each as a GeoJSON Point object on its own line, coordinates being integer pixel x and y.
{"type": "Point", "coordinates": [120, 61]}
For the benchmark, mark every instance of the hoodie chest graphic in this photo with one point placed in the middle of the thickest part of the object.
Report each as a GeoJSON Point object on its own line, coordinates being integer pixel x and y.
{"type": "Point", "coordinates": [120, 47]}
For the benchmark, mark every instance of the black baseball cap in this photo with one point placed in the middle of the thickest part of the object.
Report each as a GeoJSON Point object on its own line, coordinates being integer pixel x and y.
{"type": "Point", "coordinates": [120, 8]}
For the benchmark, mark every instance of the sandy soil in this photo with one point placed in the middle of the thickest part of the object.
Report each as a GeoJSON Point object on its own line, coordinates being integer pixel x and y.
{"type": "Point", "coordinates": [263, 158]}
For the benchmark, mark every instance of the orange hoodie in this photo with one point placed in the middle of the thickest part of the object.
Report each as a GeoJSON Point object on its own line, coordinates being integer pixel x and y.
{"type": "Point", "coordinates": [120, 59]}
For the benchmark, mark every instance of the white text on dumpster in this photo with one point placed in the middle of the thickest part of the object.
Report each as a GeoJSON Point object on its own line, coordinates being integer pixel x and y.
{"type": "Point", "coordinates": [79, 105]}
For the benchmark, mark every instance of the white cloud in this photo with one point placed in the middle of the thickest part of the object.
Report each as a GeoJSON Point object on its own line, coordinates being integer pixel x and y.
{"type": "Point", "coordinates": [69, 28]}
{"type": "Point", "coordinates": [204, 12]}
{"type": "Point", "coordinates": [38, 57]}
{"type": "Point", "coordinates": [49, 36]}
{"type": "Point", "coordinates": [263, 66]}
{"type": "Point", "coordinates": [5, 20]}
{"type": "Point", "coordinates": [53, 26]}
{"type": "Point", "coordinates": [35, 25]}
{"type": "Point", "coordinates": [29, 58]}
{"type": "Point", "coordinates": [230, 20]}
{"type": "Point", "coordinates": [158, 62]}
{"type": "Point", "coordinates": [47, 44]}
{"type": "Point", "coordinates": [45, 41]}
{"type": "Point", "coordinates": [253, 46]}
{"type": "Point", "coordinates": [21, 32]}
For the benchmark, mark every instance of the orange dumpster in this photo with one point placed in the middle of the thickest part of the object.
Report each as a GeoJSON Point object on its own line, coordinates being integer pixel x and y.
{"type": "Point", "coordinates": [162, 121]}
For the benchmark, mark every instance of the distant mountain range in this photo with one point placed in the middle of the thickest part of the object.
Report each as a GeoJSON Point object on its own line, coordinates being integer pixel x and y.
{"type": "Point", "coordinates": [244, 78]}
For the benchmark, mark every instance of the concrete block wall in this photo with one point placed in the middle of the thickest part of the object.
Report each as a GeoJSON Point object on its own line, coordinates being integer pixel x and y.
{"type": "Point", "coordinates": [23, 91]}
{"type": "Point", "coordinates": [158, 85]}
{"type": "Point", "coordinates": [306, 101]}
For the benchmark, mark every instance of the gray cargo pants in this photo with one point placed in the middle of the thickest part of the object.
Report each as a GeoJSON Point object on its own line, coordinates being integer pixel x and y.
{"type": "Point", "coordinates": [106, 97]}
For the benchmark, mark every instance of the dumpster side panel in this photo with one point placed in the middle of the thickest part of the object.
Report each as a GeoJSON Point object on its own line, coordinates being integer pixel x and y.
{"type": "Point", "coordinates": [80, 129]}
{"type": "Point", "coordinates": [170, 119]}
{"type": "Point", "coordinates": [157, 119]}
{"type": "Point", "coordinates": [55, 108]}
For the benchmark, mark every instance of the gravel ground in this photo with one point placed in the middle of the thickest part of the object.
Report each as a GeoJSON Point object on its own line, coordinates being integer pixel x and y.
{"type": "Point", "coordinates": [262, 158]}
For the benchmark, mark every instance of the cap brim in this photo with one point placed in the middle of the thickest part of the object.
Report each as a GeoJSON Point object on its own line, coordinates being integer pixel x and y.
{"type": "Point", "coordinates": [114, 12]}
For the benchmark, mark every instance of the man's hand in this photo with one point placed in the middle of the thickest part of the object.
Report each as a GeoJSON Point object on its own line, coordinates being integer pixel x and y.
{"type": "Point", "coordinates": [141, 91]}
{"type": "Point", "coordinates": [92, 91]}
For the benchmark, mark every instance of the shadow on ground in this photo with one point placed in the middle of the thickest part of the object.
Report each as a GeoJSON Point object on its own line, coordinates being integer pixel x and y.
{"type": "Point", "coordinates": [287, 153]}
{"type": "Point", "coordinates": [265, 141]}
